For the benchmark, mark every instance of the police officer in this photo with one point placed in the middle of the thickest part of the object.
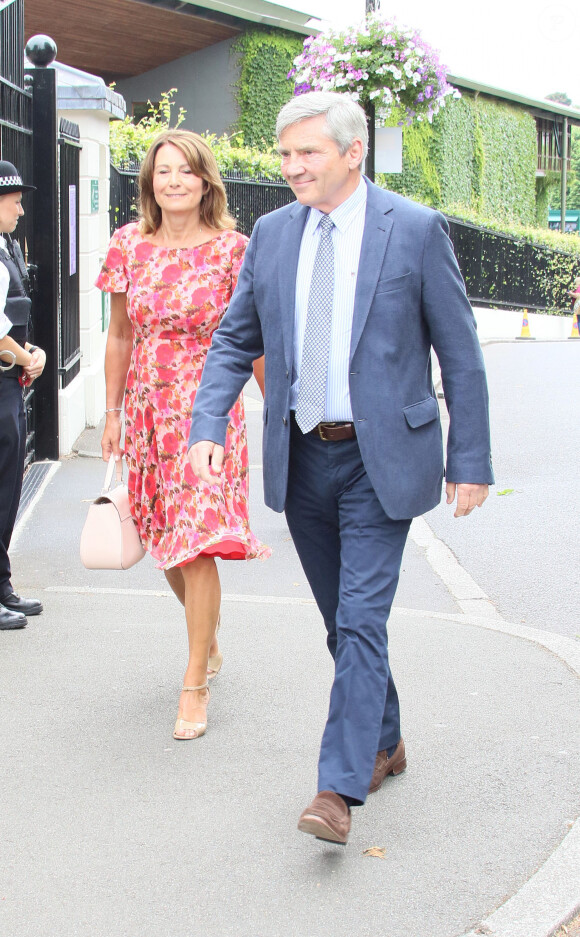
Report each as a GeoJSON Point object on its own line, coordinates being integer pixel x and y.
{"type": "Point", "coordinates": [20, 364]}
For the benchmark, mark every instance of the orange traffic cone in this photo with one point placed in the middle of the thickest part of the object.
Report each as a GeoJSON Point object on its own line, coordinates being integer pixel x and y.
{"type": "Point", "coordinates": [525, 333]}
{"type": "Point", "coordinates": [575, 332]}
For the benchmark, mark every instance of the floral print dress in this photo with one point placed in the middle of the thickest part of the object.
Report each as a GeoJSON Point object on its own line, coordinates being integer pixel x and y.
{"type": "Point", "coordinates": [175, 301]}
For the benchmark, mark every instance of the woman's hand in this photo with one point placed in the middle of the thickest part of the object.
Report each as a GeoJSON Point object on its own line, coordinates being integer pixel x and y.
{"type": "Point", "coordinates": [117, 359]}
{"type": "Point", "coordinates": [111, 439]}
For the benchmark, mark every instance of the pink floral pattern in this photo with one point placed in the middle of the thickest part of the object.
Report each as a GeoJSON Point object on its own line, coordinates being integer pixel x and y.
{"type": "Point", "coordinates": [175, 300]}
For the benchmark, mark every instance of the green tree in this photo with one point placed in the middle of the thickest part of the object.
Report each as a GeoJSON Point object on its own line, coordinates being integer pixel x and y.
{"type": "Point", "coordinates": [129, 141]}
{"type": "Point", "coordinates": [559, 97]}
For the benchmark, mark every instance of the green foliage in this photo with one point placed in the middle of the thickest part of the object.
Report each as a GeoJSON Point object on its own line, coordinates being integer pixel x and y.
{"type": "Point", "coordinates": [420, 178]}
{"type": "Point", "coordinates": [129, 141]}
{"type": "Point", "coordinates": [477, 154]}
{"type": "Point", "coordinates": [546, 188]}
{"type": "Point", "coordinates": [510, 148]}
{"type": "Point", "coordinates": [264, 87]}
{"type": "Point", "coordinates": [560, 97]}
{"type": "Point", "coordinates": [555, 270]}
{"type": "Point", "coordinates": [476, 162]}
{"type": "Point", "coordinates": [232, 155]}
{"type": "Point", "coordinates": [460, 154]}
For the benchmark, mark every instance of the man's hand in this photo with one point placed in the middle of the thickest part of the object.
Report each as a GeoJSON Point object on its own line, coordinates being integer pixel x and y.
{"type": "Point", "coordinates": [206, 459]}
{"type": "Point", "coordinates": [468, 497]}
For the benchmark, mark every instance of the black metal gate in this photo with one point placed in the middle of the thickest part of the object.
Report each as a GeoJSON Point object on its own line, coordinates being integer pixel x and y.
{"type": "Point", "coordinates": [55, 152]}
{"type": "Point", "coordinates": [69, 322]}
{"type": "Point", "coordinates": [16, 146]}
{"type": "Point", "coordinates": [123, 193]}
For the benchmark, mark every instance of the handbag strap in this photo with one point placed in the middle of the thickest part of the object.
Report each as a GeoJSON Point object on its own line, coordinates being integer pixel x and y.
{"type": "Point", "coordinates": [112, 464]}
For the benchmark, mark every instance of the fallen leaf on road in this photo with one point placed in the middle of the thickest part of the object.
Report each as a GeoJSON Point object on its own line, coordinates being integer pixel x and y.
{"type": "Point", "coordinates": [378, 851]}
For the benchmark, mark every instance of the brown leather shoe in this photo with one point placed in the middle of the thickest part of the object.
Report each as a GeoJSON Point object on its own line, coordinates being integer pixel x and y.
{"type": "Point", "coordinates": [327, 817]}
{"type": "Point", "coordinates": [385, 766]}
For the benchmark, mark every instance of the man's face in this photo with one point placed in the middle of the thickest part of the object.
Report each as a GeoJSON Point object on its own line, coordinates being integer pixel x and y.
{"type": "Point", "coordinates": [313, 167]}
{"type": "Point", "coordinates": [10, 211]}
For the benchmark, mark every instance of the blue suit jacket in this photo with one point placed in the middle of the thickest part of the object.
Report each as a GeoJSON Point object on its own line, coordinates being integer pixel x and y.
{"type": "Point", "coordinates": [409, 296]}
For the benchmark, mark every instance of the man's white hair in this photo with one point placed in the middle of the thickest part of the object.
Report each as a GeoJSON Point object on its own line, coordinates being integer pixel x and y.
{"type": "Point", "coordinates": [345, 119]}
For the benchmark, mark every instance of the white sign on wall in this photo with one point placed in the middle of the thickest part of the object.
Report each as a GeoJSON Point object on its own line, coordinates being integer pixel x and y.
{"type": "Point", "coordinates": [389, 149]}
{"type": "Point", "coordinates": [72, 229]}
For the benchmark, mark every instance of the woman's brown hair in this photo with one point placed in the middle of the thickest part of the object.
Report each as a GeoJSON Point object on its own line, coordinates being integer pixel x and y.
{"type": "Point", "coordinates": [213, 208]}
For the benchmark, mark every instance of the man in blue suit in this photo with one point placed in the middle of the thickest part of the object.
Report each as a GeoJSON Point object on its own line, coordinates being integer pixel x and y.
{"type": "Point", "coordinates": [345, 292]}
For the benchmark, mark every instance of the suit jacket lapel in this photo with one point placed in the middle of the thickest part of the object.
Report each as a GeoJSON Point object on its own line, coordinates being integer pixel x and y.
{"type": "Point", "coordinates": [290, 240]}
{"type": "Point", "coordinates": [376, 234]}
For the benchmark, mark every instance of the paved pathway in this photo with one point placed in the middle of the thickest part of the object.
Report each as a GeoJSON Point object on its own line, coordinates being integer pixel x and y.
{"type": "Point", "coordinates": [111, 828]}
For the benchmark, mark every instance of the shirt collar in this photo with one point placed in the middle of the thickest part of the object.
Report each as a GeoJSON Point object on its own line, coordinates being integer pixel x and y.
{"type": "Point", "coordinates": [344, 214]}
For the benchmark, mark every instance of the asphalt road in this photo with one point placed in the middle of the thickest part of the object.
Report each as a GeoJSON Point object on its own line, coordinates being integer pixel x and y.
{"type": "Point", "coordinates": [523, 547]}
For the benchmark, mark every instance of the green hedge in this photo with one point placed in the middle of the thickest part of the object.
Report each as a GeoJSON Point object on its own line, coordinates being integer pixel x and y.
{"type": "Point", "coordinates": [267, 56]}
{"type": "Point", "coordinates": [478, 155]}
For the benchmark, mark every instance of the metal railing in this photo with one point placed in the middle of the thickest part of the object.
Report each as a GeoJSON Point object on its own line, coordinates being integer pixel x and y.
{"type": "Point", "coordinates": [498, 269]}
{"type": "Point", "coordinates": [503, 270]}
{"type": "Point", "coordinates": [12, 42]}
{"type": "Point", "coordinates": [248, 199]}
{"type": "Point", "coordinates": [123, 195]}
{"type": "Point", "coordinates": [16, 147]}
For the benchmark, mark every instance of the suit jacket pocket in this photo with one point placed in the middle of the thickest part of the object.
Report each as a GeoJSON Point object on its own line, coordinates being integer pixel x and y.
{"type": "Point", "coordinates": [393, 283]}
{"type": "Point", "coordinates": [418, 414]}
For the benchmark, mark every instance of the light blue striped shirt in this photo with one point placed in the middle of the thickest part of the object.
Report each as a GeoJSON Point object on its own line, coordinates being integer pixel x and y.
{"type": "Point", "coordinates": [349, 220]}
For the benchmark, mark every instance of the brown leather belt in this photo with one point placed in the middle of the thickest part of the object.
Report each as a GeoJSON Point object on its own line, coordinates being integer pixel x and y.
{"type": "Point", "coordinates": [334, 432]}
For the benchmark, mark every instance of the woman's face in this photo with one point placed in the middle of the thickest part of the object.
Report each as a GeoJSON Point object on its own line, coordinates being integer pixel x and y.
{"type": "Point", "coordinates": [175, 187]}
{"type": "Point", "coordinates": [10, 211]}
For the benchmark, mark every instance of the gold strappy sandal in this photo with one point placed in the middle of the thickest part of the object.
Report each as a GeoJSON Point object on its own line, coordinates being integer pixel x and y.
{"type": "Point", "coordinates": [182, 725]}
{"type": "Point", "coordinates": [214, 663]}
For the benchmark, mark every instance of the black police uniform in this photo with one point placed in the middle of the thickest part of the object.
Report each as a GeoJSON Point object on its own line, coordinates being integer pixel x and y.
{"type": "Point", "coordinates": [12, 416]}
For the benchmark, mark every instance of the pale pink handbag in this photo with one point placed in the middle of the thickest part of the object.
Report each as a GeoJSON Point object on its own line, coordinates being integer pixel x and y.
{"type": "Point", "coordinates": [109, 539]}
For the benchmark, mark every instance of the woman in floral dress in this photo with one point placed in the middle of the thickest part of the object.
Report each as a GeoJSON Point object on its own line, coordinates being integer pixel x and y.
{"type": "Point", "coordinates": [171, 277]}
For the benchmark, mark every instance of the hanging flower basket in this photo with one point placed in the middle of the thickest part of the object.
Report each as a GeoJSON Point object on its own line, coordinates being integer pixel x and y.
{"type": "Point", "coordinates": [378, 63]}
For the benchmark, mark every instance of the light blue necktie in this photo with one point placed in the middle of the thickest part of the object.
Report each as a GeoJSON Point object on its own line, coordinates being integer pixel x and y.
{"type": "Point", "coordinates": [310, 408]}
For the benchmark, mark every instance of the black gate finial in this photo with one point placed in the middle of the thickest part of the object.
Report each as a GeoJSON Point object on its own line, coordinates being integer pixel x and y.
{"type": "Point", "coordinates": [41, 50]}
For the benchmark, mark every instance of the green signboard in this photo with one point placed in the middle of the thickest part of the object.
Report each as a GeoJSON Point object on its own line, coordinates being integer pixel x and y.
{"type": "Point", "coordinates": [94, 196]}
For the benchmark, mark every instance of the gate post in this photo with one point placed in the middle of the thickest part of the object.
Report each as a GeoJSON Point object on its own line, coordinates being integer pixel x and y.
{"type": "Point", "coordinates": [42, 51]}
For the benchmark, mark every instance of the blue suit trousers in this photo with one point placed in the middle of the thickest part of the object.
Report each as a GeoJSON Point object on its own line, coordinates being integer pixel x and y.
{"type": "Point", "coordinates": [351, 554]}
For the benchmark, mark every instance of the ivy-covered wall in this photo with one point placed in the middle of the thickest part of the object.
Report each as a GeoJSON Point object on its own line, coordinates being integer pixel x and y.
{"type": "Point", "coordinates": [478, 154]}
{"type": "Point", "coordinates": [547, 191]}
{"type": "Point", "coordinates": [266, 57]}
